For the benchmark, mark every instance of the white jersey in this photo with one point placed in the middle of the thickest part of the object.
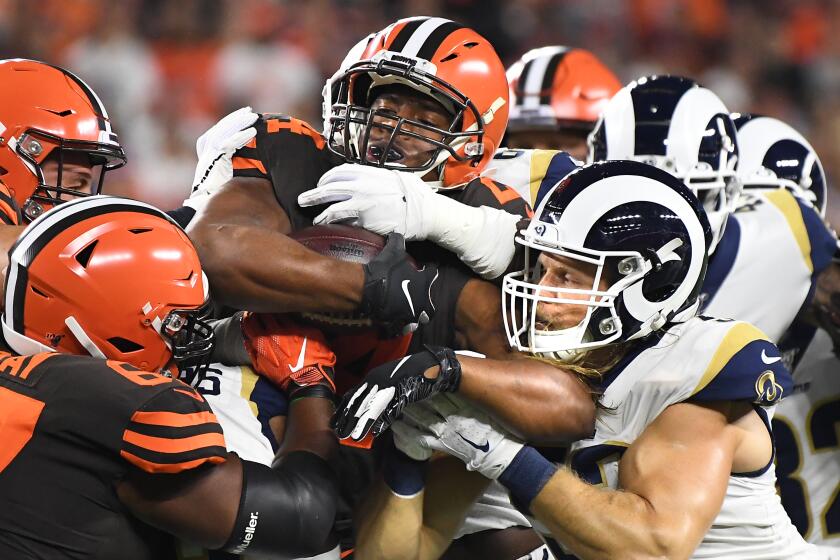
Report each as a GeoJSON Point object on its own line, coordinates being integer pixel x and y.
{"type": "Point", "coordinates": [806, 429]}
{"type": "Point", "coordinates": [531, 173]}
{"type": "Point", "coordinates": [243, 402]}
{"type": "Point", "coordinates": [763, 270]}
{"type": "Point", "coordinates": [704, 360]}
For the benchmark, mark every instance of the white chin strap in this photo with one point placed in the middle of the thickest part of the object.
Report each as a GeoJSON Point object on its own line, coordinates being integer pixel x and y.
{"type": "Point", "coordinates": [572, 336]}
{"type": "Point", "coordinates": [83, 338]}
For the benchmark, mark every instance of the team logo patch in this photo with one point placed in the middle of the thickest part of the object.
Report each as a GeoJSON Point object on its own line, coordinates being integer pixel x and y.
{"type": "Point", "coordinates": [766, 387]}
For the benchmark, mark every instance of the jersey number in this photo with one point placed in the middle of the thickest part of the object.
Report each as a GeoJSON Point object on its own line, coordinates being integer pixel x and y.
{"type": "Point", "coordinates": [823, 436]}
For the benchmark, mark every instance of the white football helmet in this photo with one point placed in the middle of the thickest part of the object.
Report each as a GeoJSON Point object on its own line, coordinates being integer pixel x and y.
{"type": "Point", "coordinates": [680, 127]}
{"type": "Point", "coordinates": [646, 234]}
{"type": "Point", "coordinates": [773, 155]}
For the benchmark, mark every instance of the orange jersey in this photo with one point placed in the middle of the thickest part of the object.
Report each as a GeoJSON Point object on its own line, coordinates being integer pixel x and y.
{"type": "Point", "coordinates": [71, 426]}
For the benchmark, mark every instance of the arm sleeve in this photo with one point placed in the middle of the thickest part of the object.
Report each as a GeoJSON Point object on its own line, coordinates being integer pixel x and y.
{"type": "Point", "coordinates": [172, 432]}
{"type": "Point", "coordinates": [745, 366]}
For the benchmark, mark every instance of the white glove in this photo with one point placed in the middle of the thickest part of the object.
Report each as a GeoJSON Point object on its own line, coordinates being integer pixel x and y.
{"type": "Point", "coordinates": [385, 201]}
{"type": "Point", "coordinates": [379, 200]}
{"type": "Point", "coordinates": [215, 150]}
{"type": "Point", "coordinates": [446, 423]}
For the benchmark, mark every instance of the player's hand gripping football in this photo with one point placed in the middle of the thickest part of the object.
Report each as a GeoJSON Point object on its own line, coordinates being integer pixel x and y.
{"type": "Point", "coordinates": [389, 388]}
{"type": "Point", "coordinates": [397, 295]}
{"type": "Point", "coordinates": [447, 423]}
{"type": "Point", "coordinates": [293, 356]}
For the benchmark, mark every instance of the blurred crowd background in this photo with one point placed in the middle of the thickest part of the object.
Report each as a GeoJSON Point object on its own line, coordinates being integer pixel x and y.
{"type": "Point", "coordinates": [168, 69]}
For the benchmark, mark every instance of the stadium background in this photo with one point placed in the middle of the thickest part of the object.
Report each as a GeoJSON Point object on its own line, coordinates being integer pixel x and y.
{"type": "Point", "coordinates": [168, 69]}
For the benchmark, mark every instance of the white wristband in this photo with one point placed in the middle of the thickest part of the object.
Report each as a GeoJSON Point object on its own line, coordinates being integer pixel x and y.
{"type": "Point", "coordinates": [481, 237]}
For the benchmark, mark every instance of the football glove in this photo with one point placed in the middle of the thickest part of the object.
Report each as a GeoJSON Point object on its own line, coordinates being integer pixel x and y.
{"type": "Point", "coordinates": [396, 295]}
{"type": "Point", "coordinates": [387, 389]}
{"type": "Point", "coordinates": [215, 150]}
{"type": "Point", "coordinates": [388, 201]}
{"type": "Point", "coordinates": [447, 423]}
{"type": "Point", "coordinates": [293, 356]}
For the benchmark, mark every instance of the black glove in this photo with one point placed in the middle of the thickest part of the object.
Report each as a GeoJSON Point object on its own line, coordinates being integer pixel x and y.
{"type": "Point", "coordinates": [397, 295]}
{"type": "Point", "coordinates": [387, 389]}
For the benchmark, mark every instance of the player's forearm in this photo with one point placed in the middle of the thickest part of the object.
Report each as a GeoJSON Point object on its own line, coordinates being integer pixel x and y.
{"type": "Point", "coordinates": [599, 523]}
{"type": "Point", "coordinates": [266, 271]}
{"type": "Point", "coordinates": [389, 526]}
{"type": "Point", "coordinates": [308, 429]}
{"type": "Point", "coordinates": [534, 400]}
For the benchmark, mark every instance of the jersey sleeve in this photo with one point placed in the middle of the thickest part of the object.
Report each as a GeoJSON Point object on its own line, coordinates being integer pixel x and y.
{"type": "Point", "coordinates": [746, 366]}
{"type": "Point", "coordinates": [174, 431]}
{"type": "Point", "coordinates": [292, 155]}
{"type": "Point", "coordinates": [531, 172]}
{"type": "Point", "coordinates": [486, 192]}
{"type": "Point", "coordinates": [9, 210]}
{"type": "Point", "coordinates": [816, 240]}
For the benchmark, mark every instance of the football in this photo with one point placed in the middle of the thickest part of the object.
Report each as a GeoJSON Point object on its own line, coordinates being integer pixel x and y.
{"type": "Point", "coordinates": [344, 243]}
{"type": "Point", "coordinates": [340, 242]}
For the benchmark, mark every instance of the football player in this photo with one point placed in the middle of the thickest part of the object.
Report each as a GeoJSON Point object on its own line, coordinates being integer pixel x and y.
{"type": "Point", "coordinates": [683, 429]}
{"type": "Point", "coordinates": [557, 94]}
{"type": "Point", "coordinates": [105, 300]}
{"type": "Point", "coordinates": [384, 121]}
{"type": "Point", "coordinates": [777, 161]}
{"type": "Point", "coordinates": [56, 143]}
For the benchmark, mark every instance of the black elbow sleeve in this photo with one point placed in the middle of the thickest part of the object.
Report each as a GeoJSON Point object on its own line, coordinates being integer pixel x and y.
{"type": "Point", "coordinates": [288, 510]}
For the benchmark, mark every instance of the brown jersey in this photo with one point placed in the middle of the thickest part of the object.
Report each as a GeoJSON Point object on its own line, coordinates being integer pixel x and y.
{"type": "Point", "coordinates": [293, 156]}
{"type": "Point", "coordinates": [72, 426]}
{"type": "Point", "coordinates": [9, 210]}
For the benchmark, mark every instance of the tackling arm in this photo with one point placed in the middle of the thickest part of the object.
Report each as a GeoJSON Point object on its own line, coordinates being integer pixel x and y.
{"type": "Point", "coordinates": [673, 480]}
{"type": "Point", "coordinates": [537, 401]}
{"type": "Point", "coordinates": [245, 506]}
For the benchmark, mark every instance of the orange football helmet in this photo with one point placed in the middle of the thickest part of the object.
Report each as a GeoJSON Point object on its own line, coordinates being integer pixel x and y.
{"type": "Point", "coordinates": [451, 63]}
{"type": "Point", "coordinates": [110, 277]}
{"type": "Point", "coordinates": [48, 112]}
{"type": "Point", "coordinates": [559, 88]}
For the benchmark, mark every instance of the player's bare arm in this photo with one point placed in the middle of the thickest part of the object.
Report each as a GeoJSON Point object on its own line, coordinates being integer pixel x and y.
{"type": "Point", "coordinates": [673, 481]}
{"type": "Point", "coordinates": [241, 237]}
{"type": "Point", "coordinates": [421, 525]}
{"type": "Point", "coordinates": [300, 486]}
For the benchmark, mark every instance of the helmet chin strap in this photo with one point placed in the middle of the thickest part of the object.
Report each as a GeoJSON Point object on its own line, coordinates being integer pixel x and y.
{"type": "Point", "coordinates": [83, 338]}
{"type": "Point", "coordinates": [571, 336]}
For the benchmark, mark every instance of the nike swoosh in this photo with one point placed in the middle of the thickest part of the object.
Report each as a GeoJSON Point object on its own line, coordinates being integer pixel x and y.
{"type": "Point", "coordinates": [767, 360]}
{"type": "Point", "coordinates": [483, 448]}
{"type": "Point", "coordinates": [300, 358]}
{"type": "Point", "coordinates": [401, 362]}
{"type": "Point", "coordinates": [407, 295]}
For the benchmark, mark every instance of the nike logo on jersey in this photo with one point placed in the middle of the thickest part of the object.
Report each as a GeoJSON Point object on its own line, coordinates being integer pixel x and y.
{"type": "Point", "coordinates": [302, 356]}
{"type": "Point", "coordinates": [484, 448]}
{"type": "Point", "coordinates": [405, 284]}
{"type": "Point", "coordinates": [768, 360]}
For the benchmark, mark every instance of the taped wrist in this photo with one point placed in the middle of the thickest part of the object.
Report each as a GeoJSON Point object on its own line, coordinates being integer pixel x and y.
{"type": "Point", "coordinates": [526, 476]}
{"type": "Point", "coordinates": [406, 477]}
{"type": "Point", "coordinates": [449, 378]}
{"type": "Point", "coordinates": [288, 510]}
{"type": "Point", "coordinates": [481, 237]}
{"type": "Point", "coordinates": [230, 344]}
